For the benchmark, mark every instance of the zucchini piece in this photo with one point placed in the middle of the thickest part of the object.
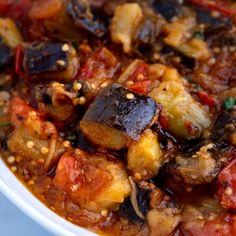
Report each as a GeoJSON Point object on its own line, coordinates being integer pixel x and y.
{"type": "Point", "coordinates": [187, 117]}
{"type": "Point", "coordinates": [10, 33]}
{"type": "Point", "coordinates": [118, 115]}
{"type": "Point", "coordinates": [127, 18]}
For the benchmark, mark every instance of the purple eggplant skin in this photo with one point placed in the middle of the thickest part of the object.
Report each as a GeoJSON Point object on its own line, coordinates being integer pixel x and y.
{"type": "Point", "coordinates": [84, 18]}
{"type": "Point", "coordinates": [41, 57]}
{"type": "Point", "coordinates": [6, 55]}
{"type": "Point", "coordinates": [130, 116]}
{"type": "Point", "coordinates": [167, 8]}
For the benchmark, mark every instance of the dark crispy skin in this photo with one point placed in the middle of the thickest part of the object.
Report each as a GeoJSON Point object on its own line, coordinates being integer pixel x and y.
{"type": "Point", "coordinates": [6, 55]}
{"type": "Point", "coordinates": [204, 16]}
{"type": "Point", "coordinates": [44, 57]}
{"type": "Point", "coordinates": [114, 109]}
{"type": "Point", "coordinates": [167, 8]}
{"type": "Point", "coordinates": [84, 122]}
{"type": "Point", "coordinates": [81, 14]}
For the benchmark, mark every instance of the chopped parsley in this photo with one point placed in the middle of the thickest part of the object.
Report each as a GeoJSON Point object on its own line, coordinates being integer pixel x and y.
{"type": "Point", "coordinates": [198, 35]}
{"type": "Point", "coordinates": [4, 124]}
{"type": "Point", "coordinates": [229, 103]}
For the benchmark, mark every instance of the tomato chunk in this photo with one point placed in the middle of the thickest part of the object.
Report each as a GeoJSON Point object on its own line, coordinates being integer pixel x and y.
{"type": "Point", "coordinates": [217, 227]}
{"type": "Point", "coordinates": [227, 186]}
{"type": "Point", "coordinates": [19, 111]}
{"type": "Point", "coordinates": [43, 9]}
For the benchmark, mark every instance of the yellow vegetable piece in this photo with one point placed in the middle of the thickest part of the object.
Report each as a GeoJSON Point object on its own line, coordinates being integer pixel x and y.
{"type": "Point", "coordinates": [187, 117]}
{"type": "Point", "coordinates": [144, 157]}
{"type": "Point", "coordinates": [10, 33]}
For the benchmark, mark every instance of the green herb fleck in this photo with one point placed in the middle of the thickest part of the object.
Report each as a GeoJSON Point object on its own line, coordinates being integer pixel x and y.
{"type": "Point", "coordinates": [198, 34]}
{"type": "Point", "coordinates": [75, 45]}
{"type": "Point", "coordinates": [4, 124]}
{"type": "Point", "coordinates": [189, 79]}
{"type": "Point", "coordinates": [229, 103]}
{"type": "Point", "coordinates": [71, 137]}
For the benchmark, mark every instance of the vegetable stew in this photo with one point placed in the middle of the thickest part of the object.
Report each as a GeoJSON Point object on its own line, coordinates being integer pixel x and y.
{"type": "Point", "coordinates": [120, 115]}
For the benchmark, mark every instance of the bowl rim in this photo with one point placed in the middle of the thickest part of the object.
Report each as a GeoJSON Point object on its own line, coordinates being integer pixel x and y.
{"type": "Point", "coordinates": [20, 196]}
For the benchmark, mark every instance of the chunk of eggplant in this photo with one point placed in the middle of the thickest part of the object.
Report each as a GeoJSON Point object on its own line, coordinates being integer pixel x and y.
{"type": "Point", "coordinates": [124, 24]}
{"type": "Point", "coordinates": [204, 16]}
{"type": "Point", "coordinates": [33, 137]}
{"type": "Point", "coordinates": [6, 55]}
{"type": "Point", "coordinates": [167, 8]}
{"type": "Point", "coordinates": [194, 169]}
{"type": "Point", "coordinates": [187, 118]}
{"type": "Point", "coordinates": [144, 156]}
{"type": "Point", "coordinates": [116, 116]}
{"type": "Point", "coordinates": [59, 100]}
{"type": "Point", "coordinates": [49, 60]}
{"type": "Point", "coordinates": [129, 211]}
{"type": "Point", "coordinates": [224, 125]}
{"type": "Point", "coordinates": [92, 181]}
{"type": "Point", "coordinates": [80, 11]}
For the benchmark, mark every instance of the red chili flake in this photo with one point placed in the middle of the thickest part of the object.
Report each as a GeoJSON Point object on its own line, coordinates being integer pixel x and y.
{"type": "Point", "coordinates": [86, 72]}
{"type": "Point", "coordinates": [191, 128]}
{"type": "Point", "coordinates": [206, 99]}
{"type": "Point", "coordinates": [164, 121]}
{"type": "Point", "coordinates": [18, 61]}
{"type": "Point", "coordinates": [220, 6]}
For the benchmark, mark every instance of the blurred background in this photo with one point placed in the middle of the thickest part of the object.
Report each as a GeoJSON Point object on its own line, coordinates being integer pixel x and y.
{"type": "Point", "coordinates": [14, 222]}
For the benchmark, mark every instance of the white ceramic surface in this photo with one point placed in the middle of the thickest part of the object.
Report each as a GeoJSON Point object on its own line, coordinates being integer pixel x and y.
{"type": "Point", "coordinates": [11, 187]}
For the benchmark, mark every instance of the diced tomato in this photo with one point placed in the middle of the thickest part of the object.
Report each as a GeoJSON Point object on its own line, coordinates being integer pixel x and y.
{"type": "Point", "coordinates": [5, 5]}
{"type": "Point", "coordinates": [221, 6]}
{"type": "Point", "coordinates": [141, 83]}
{"type": "Point", "coordinates": [86, 71]}
{"type": "Point", "coordinates": [206, 99]}
{"type": "Point", "coordinates": [142, 87]}
{"type": "Point", "coordinates": [20, 109]}
{"type": "Point", "coordinates": [19, 9]}
{"type": "Point", "coordinates": [43, 9]}
{"type": "Point", "coordinates": [80, 178]}
{"type": "Point", "coordinates": [217, 227]}
{"type": "Point", "coordinates": [227, 185]}
{"type": "Point", "coordinates": [164, 121]}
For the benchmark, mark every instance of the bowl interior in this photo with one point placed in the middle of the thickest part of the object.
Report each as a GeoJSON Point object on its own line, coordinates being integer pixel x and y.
{"type": "Point", "coordinates": [15, 191]}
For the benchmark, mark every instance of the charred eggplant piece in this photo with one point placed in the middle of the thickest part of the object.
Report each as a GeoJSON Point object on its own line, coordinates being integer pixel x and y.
{"type": "Point", "coordinates": [44, 57]}
{"type": "Point", "coordinates": [204, 16]}
{"type": "Point", "coordinates": [127, 210]}
{"type": "Point", "coordinates": [186, 60]}
{"type": "Point", "coordinates": [147, 34]}
{"type": "Point", "coordinates": [47, 59]}
{"type": "Point", "coordinates": [224, 127]}
{"type": "Point", "coordinates": [191, 169]}
{"type": "Point", "coordinates": [59, 100]}
{"type": "Point", "coordinates": [220, 37]}
{"type": "Point", "coordinates": [78, 140]}
{"type": "Point", "coordinates": [118, 115]}
{"type": "Point", "coordinates": [167, 8]}
{"type": "Point", "coordinates": [85, 18]}
{"type": "Point", "coordinates": [6, 55]}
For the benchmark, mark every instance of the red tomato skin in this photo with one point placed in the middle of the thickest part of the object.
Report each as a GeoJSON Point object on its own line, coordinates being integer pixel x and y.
{"type": "Point", "coordinates": [227, 186]}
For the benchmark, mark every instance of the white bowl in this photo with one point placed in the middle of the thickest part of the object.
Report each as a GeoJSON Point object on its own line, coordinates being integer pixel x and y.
{"type": "Point", "coordinates": [15, 191]}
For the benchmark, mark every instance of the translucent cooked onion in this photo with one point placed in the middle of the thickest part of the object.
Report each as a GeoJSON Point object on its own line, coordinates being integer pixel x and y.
{"type": "Point", "coordinates": [133, 198]}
